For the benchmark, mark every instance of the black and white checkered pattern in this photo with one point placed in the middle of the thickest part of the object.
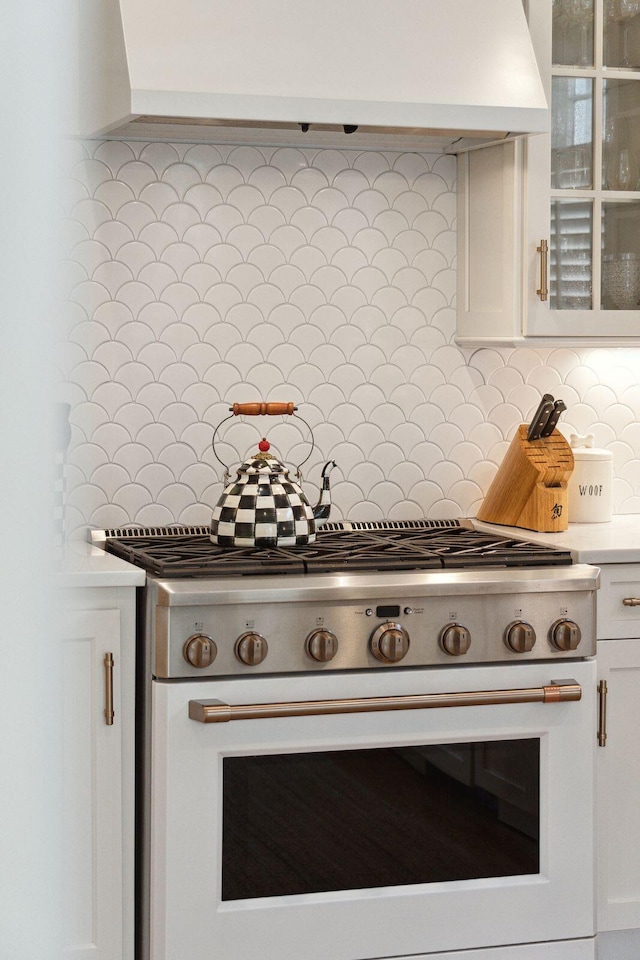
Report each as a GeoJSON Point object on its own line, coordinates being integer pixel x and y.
{"type": "Point", "coordinates": [262, 508]}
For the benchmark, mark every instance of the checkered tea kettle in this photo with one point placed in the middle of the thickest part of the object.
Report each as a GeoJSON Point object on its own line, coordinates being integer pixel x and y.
{"type": "Point", "coordinates": [263, 507]}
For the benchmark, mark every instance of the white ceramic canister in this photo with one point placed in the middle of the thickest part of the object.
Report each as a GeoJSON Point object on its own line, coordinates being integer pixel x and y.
{"type": "Point", "coordinates": [591, 482]}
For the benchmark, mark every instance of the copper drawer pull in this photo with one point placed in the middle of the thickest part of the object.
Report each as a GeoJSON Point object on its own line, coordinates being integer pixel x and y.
{"type": "Point", "coordinates": [215, 711]}
{"type": "Point", "coordinates": [543, 250]}
{"type": "Point", "coordinates": [602, 713]}
{"type": "Point", "coordinates": [108, 689]}
{"type": "Point", "coordinates": [631, 601]}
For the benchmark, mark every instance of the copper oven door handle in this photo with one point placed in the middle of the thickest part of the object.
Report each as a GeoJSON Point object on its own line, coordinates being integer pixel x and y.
{"type": "Point", "coordinates": [215, 711]}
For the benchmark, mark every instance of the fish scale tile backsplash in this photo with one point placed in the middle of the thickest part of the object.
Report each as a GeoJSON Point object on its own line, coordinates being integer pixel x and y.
{"type": "Point", "coordinates": [198, 276]}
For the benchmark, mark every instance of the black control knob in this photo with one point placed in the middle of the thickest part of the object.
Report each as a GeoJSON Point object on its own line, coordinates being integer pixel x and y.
{"type": "Point", "coordinates": [251, 648]}
{"type": "Point", "coordinates": [322, 645]}
{"type": "Point", "coordinates": [520, 636]}
{"type": "Point", "coordinates": [199, 650]}
{"type": "Point", "coordinates": [565, 634]}
{"type": "Point", "coordinates": [389, 642]}
{"type": "Point", "coordinates": [455, 639]}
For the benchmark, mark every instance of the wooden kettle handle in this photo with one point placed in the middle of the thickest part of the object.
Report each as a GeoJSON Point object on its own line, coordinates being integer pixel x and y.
{"type": "Point", "coordinates": [262, 409]}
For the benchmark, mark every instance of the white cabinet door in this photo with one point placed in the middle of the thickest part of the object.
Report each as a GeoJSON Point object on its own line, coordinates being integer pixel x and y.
{"type": "Point", "coordinates": [92, 786]}
{"type": "Point", "coordinates": [549, 227]}
{"type": "Point", "coordinates": [575, 199]}
{"type": "Point", "coordinates": [618, 788]}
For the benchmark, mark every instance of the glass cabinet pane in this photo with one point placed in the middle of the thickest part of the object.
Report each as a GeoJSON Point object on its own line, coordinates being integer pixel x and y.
{"type": "Point", "coordinates": [571, 255]}
{"type": "Point", "coordinates": [620, 255]}
{"type": "Point", "coordinates": [571, 133]}
{"type": "Point", "coordinates": [573, 33]}
{"type": "Point", "coordinates": [621, 135]}
{"type": "Point", "coordinates": [622, 33]}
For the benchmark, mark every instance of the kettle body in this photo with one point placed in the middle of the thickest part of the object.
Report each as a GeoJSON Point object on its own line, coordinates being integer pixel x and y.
{"type": "Point", "coordinates": [264, 507]}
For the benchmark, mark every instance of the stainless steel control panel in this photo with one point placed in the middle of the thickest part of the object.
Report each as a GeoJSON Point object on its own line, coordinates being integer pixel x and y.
{"type": "Point", "coordinates": [254, 627]}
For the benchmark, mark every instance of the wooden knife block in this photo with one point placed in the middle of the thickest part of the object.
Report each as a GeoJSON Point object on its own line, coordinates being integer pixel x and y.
{"type": "Point", "coordinates": [530, 488]}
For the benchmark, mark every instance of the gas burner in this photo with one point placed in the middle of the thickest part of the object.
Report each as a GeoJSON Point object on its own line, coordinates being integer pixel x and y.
{"type": "Point", "coordinates": [387, 546]}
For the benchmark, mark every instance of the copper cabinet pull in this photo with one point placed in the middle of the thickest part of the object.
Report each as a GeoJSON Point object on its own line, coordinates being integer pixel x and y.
{"type": "Point", "coordinates": [602, 713]}
{"type": "Point", "coordinates": [215, 711]}
{"type": "Point", "coordinates": [631, 601]}
{"type": "Point", "coordinates": [543, 250]}
{"type": "Point", "coordinates": [108, 689]}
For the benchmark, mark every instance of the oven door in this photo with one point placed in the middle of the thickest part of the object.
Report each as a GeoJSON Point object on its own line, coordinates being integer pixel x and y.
{"type": "Point", "coordinates": [401, 830]}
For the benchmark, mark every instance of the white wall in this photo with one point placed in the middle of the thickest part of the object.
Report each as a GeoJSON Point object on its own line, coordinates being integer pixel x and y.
{"type": "Point", "coordinates": [32, 45]}
{"type": "Point", "coordinates": [200, 275]}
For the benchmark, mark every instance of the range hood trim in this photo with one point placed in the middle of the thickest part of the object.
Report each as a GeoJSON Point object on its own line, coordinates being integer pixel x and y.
{"type": "Point", "coordinates": [456, 117]}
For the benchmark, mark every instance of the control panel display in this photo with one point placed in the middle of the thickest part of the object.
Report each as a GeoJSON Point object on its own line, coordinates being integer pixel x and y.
{"type": "Point", "coordinates": [388, 612]}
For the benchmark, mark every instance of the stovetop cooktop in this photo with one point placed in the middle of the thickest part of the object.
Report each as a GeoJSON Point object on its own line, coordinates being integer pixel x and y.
{"type": "Point", "coordinates": [339, 548]}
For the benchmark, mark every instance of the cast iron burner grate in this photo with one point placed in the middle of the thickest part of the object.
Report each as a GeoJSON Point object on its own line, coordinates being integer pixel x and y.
{"type": "Point", "coordinates": [418, 545]}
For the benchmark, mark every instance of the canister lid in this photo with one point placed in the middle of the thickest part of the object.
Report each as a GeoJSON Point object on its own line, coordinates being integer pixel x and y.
{"type": "Point", "coordinates": [583, 448]}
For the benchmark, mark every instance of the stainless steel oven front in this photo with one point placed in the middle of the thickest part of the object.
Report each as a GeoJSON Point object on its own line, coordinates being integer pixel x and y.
{"type": "Point", "coordinates": [353, 814]}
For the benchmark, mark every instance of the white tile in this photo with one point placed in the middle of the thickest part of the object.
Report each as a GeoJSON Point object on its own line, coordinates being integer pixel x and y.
{"type": "Point", "coordinates": [205, 273]}
{"type": "Point", "coordinates": [308, 259]}
{"type": "Point", "coordinates": [202, 277]}
{"type": "Point", "coordinates": [266, 179]}
{"type": "Point", "coordinates": [114, 194]}
{"type": "Point", "coordinates": [91, 173]}
{"type": "Point", "coordinates": [158, 236]}
{"type": "Point", "coordinates": [137, 174]}
{"type": "Point", "coordinates": [310, 181]}
{"type": "Point", "coordinates": [204, 197]}
{"type": "Point", "coordinates": [136, 215]}
{"type": "Point", "coordinates": [288, 200]}
{"type": "Point", "coordinates": [350, 222]}
{"type": "Point", "coordinates": [91, 213]}
{"type": "Point", "coordinates": [267, 219]}
{"type": "Point", "coordinates": [330, 202]}
{"type": "Point", "coordinates": [204, 157]}
{"type": "Point", "coordinates": [160, 156]}
{"type": "Point", "coordinates": [89, 254]}
{"type": "Point", "coordinates": [245, 198]}
{"type": "Point", "coordinates": [114, 153]}
{"type": "Point", "coordinates": [181, 177]}
{"type": "Point", "coordinates": [391, 261]}
{"type": "Point", "coordinates": [350, 183]}
{"type": "Point", "coordinates": [349, 300]}
{"type": "Point", "coordinates": [346, 377]}
{"type": "Point", "coordinates": [371, 164]}
{"type": "Point", "coordinates": [331, 162]}
{"type": "Point", "coordinates": [371, 203]}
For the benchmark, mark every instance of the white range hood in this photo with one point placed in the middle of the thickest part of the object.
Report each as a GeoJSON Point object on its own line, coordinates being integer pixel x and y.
{"type": "Point", "coordinates": [457, 70]}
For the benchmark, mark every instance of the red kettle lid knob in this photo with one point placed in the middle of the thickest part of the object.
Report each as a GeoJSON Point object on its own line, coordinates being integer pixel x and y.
{"type": "Point", "coordinates": [264, 445]}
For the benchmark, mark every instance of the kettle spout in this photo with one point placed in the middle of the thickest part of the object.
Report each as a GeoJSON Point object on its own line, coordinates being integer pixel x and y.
{"type": "Point", "coordinates": [322, 508]}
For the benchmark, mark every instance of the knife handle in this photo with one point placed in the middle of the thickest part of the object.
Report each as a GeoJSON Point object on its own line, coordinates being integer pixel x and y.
{"type": "Point", "coordinates": [540, 417]}
{"type": "Point", "coordinates": [558, 408]}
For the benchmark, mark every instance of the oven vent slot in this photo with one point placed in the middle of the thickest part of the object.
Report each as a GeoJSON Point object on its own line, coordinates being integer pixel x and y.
{"type": "Point", "coordinates": [99, 536]}
{"type": "Point", "coordinates": [348, 525]}
{"type": "Point", "coordinates": [115, 533]}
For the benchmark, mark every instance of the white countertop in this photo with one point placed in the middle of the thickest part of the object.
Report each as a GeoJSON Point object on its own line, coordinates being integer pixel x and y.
{"type": "Point", "coordinates": [80, 564]}
{"type": "Point", "coordinates": [617, 541]}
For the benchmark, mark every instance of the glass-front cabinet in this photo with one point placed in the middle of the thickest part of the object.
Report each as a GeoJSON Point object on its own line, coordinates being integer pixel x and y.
{"type": "Point", "coordinates": [566, 205]}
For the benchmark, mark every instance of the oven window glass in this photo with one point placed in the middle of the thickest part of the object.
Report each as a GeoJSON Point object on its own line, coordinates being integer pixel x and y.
{"type": "Point", "coordinates": [353, 819]}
